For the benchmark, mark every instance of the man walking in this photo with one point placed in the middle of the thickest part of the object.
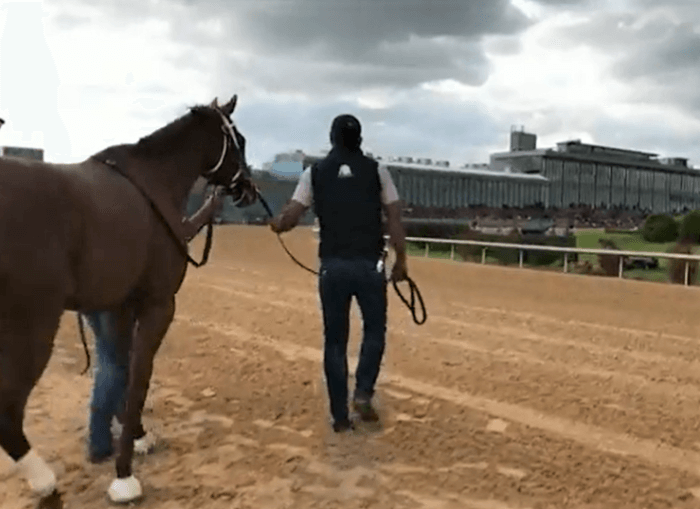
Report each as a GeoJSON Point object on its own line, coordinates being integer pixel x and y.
{"type": "Point", "coordinates": [349, 191]}
{"type": "Point", "coordinates": [113, 330]}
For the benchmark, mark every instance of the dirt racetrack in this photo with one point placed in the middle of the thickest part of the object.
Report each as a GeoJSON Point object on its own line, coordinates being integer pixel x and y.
{"type": "Point", "coordinates": [525, 389]}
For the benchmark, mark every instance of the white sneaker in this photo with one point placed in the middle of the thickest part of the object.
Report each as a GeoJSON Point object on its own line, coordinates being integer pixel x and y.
{"type": "Point", "coordinates": [143, 445]}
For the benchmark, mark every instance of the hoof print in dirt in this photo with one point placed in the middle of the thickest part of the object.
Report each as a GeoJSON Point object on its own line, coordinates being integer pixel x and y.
{"type": "Point", "coordinates": [53, 501]}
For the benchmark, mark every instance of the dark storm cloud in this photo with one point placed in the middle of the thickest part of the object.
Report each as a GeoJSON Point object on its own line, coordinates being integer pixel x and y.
{"type": "Point", "coordinates": [394, 66]}
{"type": "Point", "coordinates": [562, 3]}
{"type": "Point", "coordinates": [353, 29]}
{"type": "Point", "coordinates": [376, 42]}
{"type": "Point", "coordinates": [668, 49]}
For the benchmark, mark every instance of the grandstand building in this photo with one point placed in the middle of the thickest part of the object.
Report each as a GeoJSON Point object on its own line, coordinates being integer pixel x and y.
{"type": "Point", "coordinates": [22, 152]}
{"type": "Point", "coordinates": [427, 184]}
{"type": "Point", "coordinates": [603, 177]}
{"type": "Point", "coordinates": [573, 175]}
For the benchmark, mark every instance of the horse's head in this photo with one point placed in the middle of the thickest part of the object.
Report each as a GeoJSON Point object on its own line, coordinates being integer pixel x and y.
{"type": "Point", "coordinates": [231, 170]}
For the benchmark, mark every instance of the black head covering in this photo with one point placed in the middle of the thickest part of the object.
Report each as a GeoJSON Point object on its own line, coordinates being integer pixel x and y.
{"type": "Point", "coordinates": [346, 131]}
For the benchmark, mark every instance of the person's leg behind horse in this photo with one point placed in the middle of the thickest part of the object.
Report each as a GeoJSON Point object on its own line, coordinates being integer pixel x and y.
{"type": "Point", "coordinates": [27, 333]}
{"type": "Point", "coordinates": [112, 345]}
{"type": "Point", "coordinates": [336, 295]}
{"type": "Point", "coordinates": [113, 331]}
{"type": "Point", "coordinates": [371, 297]}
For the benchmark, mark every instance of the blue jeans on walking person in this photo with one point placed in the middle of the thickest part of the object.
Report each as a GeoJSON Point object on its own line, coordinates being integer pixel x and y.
{"type": "Point", "coordinates": [111, 378]}
{"type": "Point", "coordinates": [340, 280]}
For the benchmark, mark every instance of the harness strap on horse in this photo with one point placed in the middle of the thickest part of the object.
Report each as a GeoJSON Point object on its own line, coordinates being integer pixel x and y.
{"type": "Point", "coordinates": [415, 292]}
{"type": "Point", "coordinates": [179, 241]}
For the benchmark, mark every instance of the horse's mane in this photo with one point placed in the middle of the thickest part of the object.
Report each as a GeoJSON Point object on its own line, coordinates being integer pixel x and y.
{"type": "Point", "coordinates": [165, 139]}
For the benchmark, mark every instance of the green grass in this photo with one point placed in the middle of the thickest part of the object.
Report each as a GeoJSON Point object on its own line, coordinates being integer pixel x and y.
{"type": "Point", "coordinates": [627, 242]}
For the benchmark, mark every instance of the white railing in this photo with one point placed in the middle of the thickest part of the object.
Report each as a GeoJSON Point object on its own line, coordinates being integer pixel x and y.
{"type": "Point", "coordinates": [560, 249]}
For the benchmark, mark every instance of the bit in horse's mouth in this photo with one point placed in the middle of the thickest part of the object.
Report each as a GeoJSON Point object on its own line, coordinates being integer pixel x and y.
{"type": "Point", "coordinates": [243, 196]}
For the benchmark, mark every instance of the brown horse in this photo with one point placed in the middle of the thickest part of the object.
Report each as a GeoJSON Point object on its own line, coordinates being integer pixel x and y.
{"type": "Point", "coordinates": [103, 234]}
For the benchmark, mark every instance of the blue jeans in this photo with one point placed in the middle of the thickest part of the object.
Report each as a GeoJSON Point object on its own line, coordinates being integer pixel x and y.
{"type": "Point", "coordinates": [339, 281]}
{"type": "Point", "coordinates": [112, 342]}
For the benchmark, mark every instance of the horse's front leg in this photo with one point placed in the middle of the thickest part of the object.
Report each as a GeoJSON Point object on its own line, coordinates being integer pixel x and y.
{"type": "Point", "coordinates": [153, 323]}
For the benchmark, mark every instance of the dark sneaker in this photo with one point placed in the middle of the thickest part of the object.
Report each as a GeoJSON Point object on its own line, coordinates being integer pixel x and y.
{"type": "Point", "coordinates": [344, 425]}
{"type": "Point", "coordinates": [363, 406]}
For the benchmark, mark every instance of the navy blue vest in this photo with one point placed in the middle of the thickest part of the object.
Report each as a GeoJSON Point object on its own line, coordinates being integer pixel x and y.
{"type": "Point", "coordinates": [347, 202]}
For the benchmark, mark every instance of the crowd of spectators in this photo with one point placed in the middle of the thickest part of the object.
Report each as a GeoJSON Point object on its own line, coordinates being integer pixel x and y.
{"type": "Point", "coordinates": [574, 217]}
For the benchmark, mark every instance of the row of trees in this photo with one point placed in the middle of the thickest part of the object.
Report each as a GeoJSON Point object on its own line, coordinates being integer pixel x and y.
{"type": "Point", "coordinates": [685, 232]}
{"type": "Point", "coordinates": [664, 228]}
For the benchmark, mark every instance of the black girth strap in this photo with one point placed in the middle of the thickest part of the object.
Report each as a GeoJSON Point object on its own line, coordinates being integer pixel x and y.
{"type": "Point", "coordinates": [181, 244]}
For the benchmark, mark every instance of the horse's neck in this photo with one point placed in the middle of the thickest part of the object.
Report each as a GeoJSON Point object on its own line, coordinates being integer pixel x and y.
{"type": "Point", "coordinates": [172, 179]}
{"type": "Point", "coordinates": [165, 179]}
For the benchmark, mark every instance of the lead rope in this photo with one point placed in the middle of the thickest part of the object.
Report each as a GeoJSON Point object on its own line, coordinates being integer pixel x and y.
{"type": "Point", "coordinates": [415, 292]}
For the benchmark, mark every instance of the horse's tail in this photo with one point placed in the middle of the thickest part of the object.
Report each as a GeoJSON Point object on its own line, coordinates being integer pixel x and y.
{"type": "Point", "coordinates": [81, 328]}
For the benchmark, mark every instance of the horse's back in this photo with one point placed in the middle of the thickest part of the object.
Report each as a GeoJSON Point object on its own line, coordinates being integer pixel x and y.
{"type": "Point", "coordinates": [79, 226]}
{"type": "Point", "coordinates": [34, 216]}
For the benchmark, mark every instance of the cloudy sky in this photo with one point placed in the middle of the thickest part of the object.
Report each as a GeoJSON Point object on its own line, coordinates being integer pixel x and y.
{"type": "Point", "coordinates": [444, 79]}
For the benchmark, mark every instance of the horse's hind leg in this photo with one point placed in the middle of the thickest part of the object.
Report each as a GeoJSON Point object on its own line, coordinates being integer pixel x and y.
{"type": "Point", "coordinates": [26, 341]}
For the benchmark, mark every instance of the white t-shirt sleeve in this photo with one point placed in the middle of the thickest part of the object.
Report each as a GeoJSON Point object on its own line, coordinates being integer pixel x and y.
{"type": "Point", "coordinates": [304, 192]}
{"type": "Point", "coordinates": [389, 192]}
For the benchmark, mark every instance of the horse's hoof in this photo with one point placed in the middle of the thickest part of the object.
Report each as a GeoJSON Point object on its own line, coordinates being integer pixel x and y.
{"type": "Point", "coordinates": [125, 490]}
{"type": "Point", "coordinates": [41, 479]}
{"type": "Point", "coordinates": [45, 486]}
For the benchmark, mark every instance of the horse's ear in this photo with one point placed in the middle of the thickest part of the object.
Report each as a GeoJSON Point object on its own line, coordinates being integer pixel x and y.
{"type": "Point", "coordinates": [227, 109]}
{"type": "Point", "coordinates": [214, 103]}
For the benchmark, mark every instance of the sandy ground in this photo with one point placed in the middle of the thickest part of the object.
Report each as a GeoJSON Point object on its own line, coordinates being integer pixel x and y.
{"type": "Point", "coordinates": [525, 389]}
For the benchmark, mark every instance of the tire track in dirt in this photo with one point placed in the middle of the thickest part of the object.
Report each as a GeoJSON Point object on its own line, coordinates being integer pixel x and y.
{"type": "Point", "coordinates": [653, 408]}
{"type": "Point", "coordinates": [642, 378]}
{"type": "Point", "coordinates": [506, 313]}
{"type": "Point", "coordinates": [590, 436]}
{"type": "Point", "coordinates": [555, 471]}
{"type": "Point", "coordinates": [620, 338]}
{"type": "Point", "coordinates": [655, 347]}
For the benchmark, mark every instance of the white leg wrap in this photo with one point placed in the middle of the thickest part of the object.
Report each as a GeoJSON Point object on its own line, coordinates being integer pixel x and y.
{"type": "Point", "coordinates": [145, 444]}
{"type": "Point", "coordinates": [38, 474]}
{"type": "Point", "coordinates": [125, 490]}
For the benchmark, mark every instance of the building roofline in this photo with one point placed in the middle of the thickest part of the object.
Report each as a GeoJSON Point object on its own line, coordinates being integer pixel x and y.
{"type": "Point", "coordinates": [469, 172]}
{"type": "Point", "coordinates": [599, 158]}
{"type": "Point", "coordinates": [452, 171]}
{"type": "Point", "coordinates": [605, 147]}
